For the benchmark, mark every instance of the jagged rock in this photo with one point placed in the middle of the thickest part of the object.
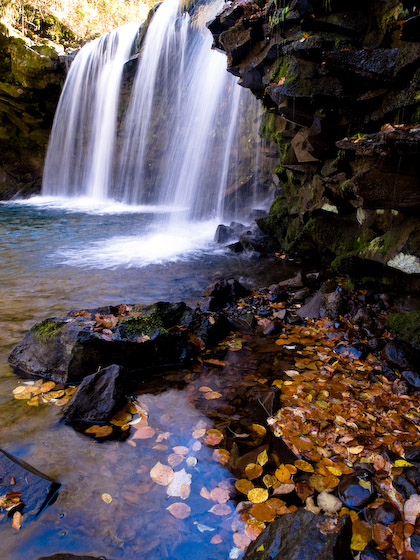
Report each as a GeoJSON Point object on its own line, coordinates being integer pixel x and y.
{"type": "Point", "coordinates": [223, 234]}
{"type": "Point", "coordinates": [37, 490]}
{"type": "Point", "coordinates": [98, 396]}
{"type": "Point", "coordinates": [222, 293]}
{"type": "Point", "coordinates": [287, 538]}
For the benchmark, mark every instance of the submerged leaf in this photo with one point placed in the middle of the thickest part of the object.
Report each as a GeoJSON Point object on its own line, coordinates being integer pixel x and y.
{"type": "Point", "coordinates": [162, 474]}
{"type": "Point", "coordinates": [180, 510]}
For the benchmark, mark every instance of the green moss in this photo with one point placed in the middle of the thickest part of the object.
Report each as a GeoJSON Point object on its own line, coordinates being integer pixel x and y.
{"type": "Point", "coordinates": [147, 325]}
{"type": "Point", "coordinates": [406, 326]}
{"type": "Point", "coordinates": [48, 329]}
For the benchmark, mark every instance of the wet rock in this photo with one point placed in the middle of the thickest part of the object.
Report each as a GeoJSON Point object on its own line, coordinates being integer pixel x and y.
{"type": "Point", "coordinates": [371, 553]}
{"type": "Point", "coordinates": [404, 487]}
{"type": "Point", "coordinates": [294, 282]}
{"type": "Point", "coordinates": [386, 514]}
{"type": "Point", "coordinates": [323, 305]}
{"type": "Point", "coordinates": [67, 350]}
{"type": "Point", "coordinates": [98, 396]}
{"type": "Point", "coordinates": [222, 293]}
{"type": "Point", "coordinates": [412, 454]}
{"type": "Point", "coordinates": [35, 490]}
{"type": "Point", "coordinates": [412, 378]}
{"type": "Point", "coordinates": [287, 538]}
{"type": "Point", "coordinates": [356, 490]}
{"type": "Point", "coordinates": [413, 475]}
{"type": "Point", "coordinates": [223, 234]}
{"type": "Point", "coordinates": [411, 29]}
{"type": "Point", "coordinates": [394, 354]}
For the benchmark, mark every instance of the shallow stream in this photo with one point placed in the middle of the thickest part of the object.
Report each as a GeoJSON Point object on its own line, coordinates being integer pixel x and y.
{"type": "Point", "coordinates": [55, 259]}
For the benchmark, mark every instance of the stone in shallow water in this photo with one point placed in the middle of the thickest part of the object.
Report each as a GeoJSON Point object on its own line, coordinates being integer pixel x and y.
{"type": "Point", "coordinates": [35, 490]}
{"type": "Point", "coordinates": [98, 396]}
{"type": "Point", "coordinates": [356, 490]}
{"type": "Point", "coordinates": [303, 536]}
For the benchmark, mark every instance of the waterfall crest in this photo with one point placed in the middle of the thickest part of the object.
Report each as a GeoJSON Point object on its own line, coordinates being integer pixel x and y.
{"type": "Point", "coordinates": [186, 136]}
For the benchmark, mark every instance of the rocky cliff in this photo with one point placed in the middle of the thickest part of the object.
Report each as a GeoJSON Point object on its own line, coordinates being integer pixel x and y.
{"type": "Point", "coordinates": [31, 78]}
{"type": "Point", "coordinates": [340, 84]}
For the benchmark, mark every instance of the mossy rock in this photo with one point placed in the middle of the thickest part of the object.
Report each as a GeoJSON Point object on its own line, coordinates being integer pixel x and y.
{"type": "Point", "coordinates": [48, 329]}
{"type": "Point", "coordinates": [406, 326]}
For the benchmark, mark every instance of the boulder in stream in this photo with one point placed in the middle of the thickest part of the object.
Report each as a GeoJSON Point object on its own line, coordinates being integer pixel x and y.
{"type": "Point", "coordinates": [303, 535]}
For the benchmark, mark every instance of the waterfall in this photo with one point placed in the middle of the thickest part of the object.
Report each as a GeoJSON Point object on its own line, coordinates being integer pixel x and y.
{"type": "Point", "coordinates": [187, 134]}
{"type": "Point", "coordinates": [81, 148]}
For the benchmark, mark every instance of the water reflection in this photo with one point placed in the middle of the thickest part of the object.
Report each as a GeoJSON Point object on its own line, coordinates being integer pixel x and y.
{"type": "Point", "coordinates": [34, 284]}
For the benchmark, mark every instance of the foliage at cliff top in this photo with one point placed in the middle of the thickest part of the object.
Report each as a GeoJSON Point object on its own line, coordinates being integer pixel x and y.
{"type": "Point", "coordinates": [85, 18]}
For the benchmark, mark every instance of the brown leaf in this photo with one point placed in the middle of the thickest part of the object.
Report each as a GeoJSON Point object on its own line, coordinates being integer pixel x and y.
{"type": "Point", "coordinates": [162, 474]}
{"type": "Point", "coordinates": [220, 509]}
{"type": "Point", "coordinates": [180, 510]}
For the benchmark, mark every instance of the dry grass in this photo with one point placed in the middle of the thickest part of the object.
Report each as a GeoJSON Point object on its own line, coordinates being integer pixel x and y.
{"type": "Point", "coordinates": [85, 18]}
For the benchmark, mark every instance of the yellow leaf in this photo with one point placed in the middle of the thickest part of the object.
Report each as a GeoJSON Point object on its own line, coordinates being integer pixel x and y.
{"type": "Point", "coordinates": [282, 473]}
{"type": "Point", "coordinates": [258, 429]}
{"type": "Point", "coordinates": [334, 470]}
{"type": "Point", "coordinates": [260, 548]}
{"type": "Point", "coordinates": [304, 466]}
{"type": "Point", "coordinates": [355, 450]}
{"type": "Point", "coordinates": [244, 486]}
{"type": "Point", "coordinates": [262, 458]}
{"type": "Point", "coordinates": [107, 498]}
{"type": "Point", "coordinates": [258, 495]}
{"type": "Point", "coordinates": [253, 471]}
{"type": "Point", "coordinates": [402, 463]}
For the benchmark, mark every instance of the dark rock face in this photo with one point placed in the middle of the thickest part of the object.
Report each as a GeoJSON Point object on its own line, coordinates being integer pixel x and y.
{"type": "Point", "coordinates": [34, 489]}
{"type": "Point", "coordinates": [303, 536]}
{"type": "Point", "coordinates": [331, 76]}
{"type": "Point", "coordinates": [139, 338]}
{"type": "Point", "coordinates": [98, 396]}
{"type": "Point", "coordinates": [66, 350]}
{"type": "Point", "coordinates": [31, 76]}
{"type": "Point", "coordinates": [223, 292]}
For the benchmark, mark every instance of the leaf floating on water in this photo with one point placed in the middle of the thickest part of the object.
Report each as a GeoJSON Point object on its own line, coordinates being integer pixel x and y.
{"type": "Point", "coordinates": [241, 540]}
{"type": "Point", "coordinates": [17, 520]}
{"type": "Point", "coordinates": [175, 460]}
{"type": "Point", "coordinates": [258, 429]}
{"type": "Point", "coordinates": [99, 431]}
{"type": "Point", "coordinates": [282, 473]}
{"type": "Point", "coordinates": [145, 432]}
{"type": "Point", "coordinates": [204, 493]}
{"type": "Point", "coordinates": [205, 389]}
{"type": "Point", "coordinates": [221, 455]}
{"type": "Point", "coordinates": [180, 510]}
{"type": "Point", "coordinates": [258, 495]}
{"type": "Point", "coordinates": [185, 491]}
{"type": "Point", "coordinates": [244, 486]}
{"type": "Point", "coordinates": [180, 450]}
{"type": "Point", "coordinates": [34, 401]}
{"type": "Point", "coordinates": [199, 433]}
{"type": "Point", "coordinates": [253, 471]}
{"type": "Point", "coordinates": [203, 528]}
{"type": "Point", "coordinates": [304, 466]}
{"type": "Point", "coordinates": [62, 402]}
{"type": "Point", "coordinates": [213, 437]}
{"type": "Point", "coordinates": [56, 394]}
{"type": "Point", "coordinates": [121, 418]}
{"type": "Point", "coordinates": [162, 474]}
{"type": "Point", "coordinates": [220, 509]}
{"type": "Point", "coordinates": [219, 495]}
{"type": "Point", "coordinates": [214, 362]}
{"type": "Point", "coordinates": [179, 478]}
{"type": "Point", "coordinates": [262, 458]}
{"type": "Point", "coordinates": [213, 395]}
{"type": "Point", "coordinates": [217, 539]}
{"type": "Point", "coordinates": [21, 389]}
{"type": "Point", "coordinates": [263, 512]}
{"type": "Point", "coordinates": [107, 498]}
{"type": "Point", "coordinates": [191, 461]}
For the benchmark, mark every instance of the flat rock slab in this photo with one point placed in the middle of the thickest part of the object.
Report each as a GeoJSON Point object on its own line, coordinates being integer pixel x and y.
{"type": "Point", "coordinates": [21, 481]}
{"type": "Point", "coordinates": [303, 536]}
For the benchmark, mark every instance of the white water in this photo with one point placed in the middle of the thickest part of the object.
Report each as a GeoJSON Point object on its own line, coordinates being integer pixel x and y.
{"type": "Point", "coordinates": [186, 137]}
{"type": "Point", "coordinates": [81, 148]}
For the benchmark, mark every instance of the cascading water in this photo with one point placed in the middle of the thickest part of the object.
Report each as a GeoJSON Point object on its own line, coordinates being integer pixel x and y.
{"type": "Point", "coordinates": [81, 148]}
{"type": "Point", "coordinates": [187, 136]}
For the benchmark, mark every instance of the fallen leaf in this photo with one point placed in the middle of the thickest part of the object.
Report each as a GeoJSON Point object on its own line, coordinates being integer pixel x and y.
{"type": "Point", "coordinates": [220, 509]}
{"type": "Point", "coordinates": [180, 510]}
{"type": "Point", "coordinates": [258, 495]}
{"type": "Point", "coordinates": [162, 474]}
{"type": "Point", "coordinates": [145, 432]}
{"type": "Point", "coordinates": [241, 540]}
{"type": "Point", "coordinates": [17, 520]}
{"type": "Point", "coordinates": [262, 458]}
{"type": "Point", "coordinates": [107, 498]}
{"type": "Point", "coordinates": [244, 485]}
{"type": "Point", "coordinates": [253, 471]}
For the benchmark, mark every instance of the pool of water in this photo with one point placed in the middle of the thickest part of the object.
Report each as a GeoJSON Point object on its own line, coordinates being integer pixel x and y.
{"type": "Point", "coordinates": [56, 257]}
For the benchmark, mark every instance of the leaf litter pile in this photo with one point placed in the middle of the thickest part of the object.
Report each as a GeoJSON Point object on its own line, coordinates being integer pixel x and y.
{"type": "Point", "coordinates": [301, 418]}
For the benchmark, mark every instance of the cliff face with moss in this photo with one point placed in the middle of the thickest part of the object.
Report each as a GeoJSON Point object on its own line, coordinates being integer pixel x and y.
{"type": "Point", "coordinates": [340, 83]}
{"type": "Point", "coordinates": [31, 78]}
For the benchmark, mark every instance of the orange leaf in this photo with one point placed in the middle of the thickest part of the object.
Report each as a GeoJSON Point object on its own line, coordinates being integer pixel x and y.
{"type": "Point", "coordinates": [253, 471]}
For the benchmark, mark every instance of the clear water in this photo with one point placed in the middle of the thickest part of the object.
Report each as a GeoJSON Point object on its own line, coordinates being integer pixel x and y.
{"type": "Point", "coordinates": [54, 259]}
